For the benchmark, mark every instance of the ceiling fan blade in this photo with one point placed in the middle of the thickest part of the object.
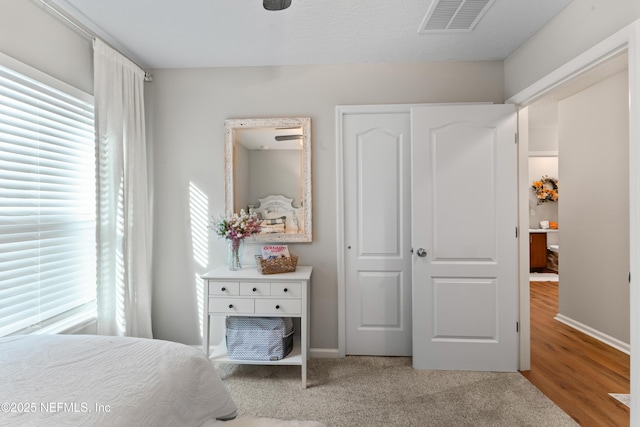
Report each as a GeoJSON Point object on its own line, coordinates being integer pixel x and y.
{"type": "Point", "coordinates": [288, 137]}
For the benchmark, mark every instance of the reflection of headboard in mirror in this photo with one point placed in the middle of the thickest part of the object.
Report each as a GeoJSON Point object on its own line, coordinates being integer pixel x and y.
{"type": "Point", "coordinates": [279, 215]}
{"type": "Point", "coordinates": [270, 157]}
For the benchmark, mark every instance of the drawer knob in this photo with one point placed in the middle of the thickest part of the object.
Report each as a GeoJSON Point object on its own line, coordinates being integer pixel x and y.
{"type": "Point", "coordinates": [255, 289]}
{"type": "Point", "coordinates": [230, 305]}
{"type": "Point", "coordinates": [224, 289]}
{"type": "Point", "coordinates": [285, 289]}
{"type": "Point", "coordinates": [277, 307]}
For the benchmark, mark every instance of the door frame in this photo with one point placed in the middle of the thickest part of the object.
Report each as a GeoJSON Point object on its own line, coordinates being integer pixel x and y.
{"type": "Point", "coordinates": [626, 39]}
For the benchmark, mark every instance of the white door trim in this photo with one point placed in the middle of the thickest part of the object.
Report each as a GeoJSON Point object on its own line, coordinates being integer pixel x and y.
{"type": "Point", "coordinates": [628, 38]}
{"type": "Point", "coordinates": [524, 308]}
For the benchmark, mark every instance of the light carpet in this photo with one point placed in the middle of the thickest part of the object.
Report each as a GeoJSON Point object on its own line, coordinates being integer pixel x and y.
{"type": "Point", "coordinates": [249, 421]}
{"type": "Point", "coordinates": [387, 391]}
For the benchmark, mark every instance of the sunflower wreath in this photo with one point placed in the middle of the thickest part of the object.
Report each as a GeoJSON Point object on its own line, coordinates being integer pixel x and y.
{"type": "Point", "coordinates": [546, 189]}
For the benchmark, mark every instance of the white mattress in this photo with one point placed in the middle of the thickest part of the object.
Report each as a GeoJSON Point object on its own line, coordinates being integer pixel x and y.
{"type": "Point", "coordinates": [74, 380]}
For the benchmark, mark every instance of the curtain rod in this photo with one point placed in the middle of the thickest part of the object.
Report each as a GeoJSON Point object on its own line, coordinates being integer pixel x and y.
{"type": "Point", "coordinates": [87, 33]}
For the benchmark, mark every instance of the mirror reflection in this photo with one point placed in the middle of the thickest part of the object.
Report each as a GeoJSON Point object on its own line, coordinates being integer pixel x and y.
{"type": "Point", "coordinates": [268, 171]}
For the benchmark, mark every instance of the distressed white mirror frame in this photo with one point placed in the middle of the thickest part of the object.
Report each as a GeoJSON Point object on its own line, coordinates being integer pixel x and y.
{"type": "Point", "coordinates": [230, 127]}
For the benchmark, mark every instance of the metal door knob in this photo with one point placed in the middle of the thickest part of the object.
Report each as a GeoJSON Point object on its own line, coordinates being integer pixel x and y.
{"type": "Point", "coordinates": [421, 253]}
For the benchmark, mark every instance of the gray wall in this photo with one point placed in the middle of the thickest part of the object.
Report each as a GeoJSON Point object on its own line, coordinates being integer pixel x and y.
{"type": "Point", "coordinates": [548, 211]}
{"type": "Point", "coordinates": [189, 107]}
{"type": "Point", "coordinates": [580, 26]}
{"type": "Point", "coordinates": [594, 208]}
{"type": "Point", "coordinates": [31, 35]}
{"type": "Point", "coordinates": [275, 172]}
{"type": "Point", "coordinates": [543, 137]}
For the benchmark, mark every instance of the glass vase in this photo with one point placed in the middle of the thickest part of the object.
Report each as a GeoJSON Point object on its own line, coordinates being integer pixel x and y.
{"type": "Point", "coordinates": [234, 254]}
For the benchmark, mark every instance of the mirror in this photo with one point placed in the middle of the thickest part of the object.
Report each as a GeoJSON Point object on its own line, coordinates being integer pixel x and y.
{"type": "Point", "coordinates": [268, 171]}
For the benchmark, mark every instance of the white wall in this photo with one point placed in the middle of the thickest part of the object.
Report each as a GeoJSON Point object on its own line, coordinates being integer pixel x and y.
{"type": "Point", "coordinates": [548, 211]}
{"type": "Point", "coordinates": [543, 138]}
{"type": "Point", "coordinates": [31, 35]}
{"type": "Point", "coordinates": [594, 207]}
{"type": "Point", "coordinates": [189, 107]}
{"type": "Point", "coordinates": [580, 26]}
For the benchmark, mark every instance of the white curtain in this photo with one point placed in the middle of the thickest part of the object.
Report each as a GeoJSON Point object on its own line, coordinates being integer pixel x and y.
{"type": "Point", "coordinates": [124, 239]}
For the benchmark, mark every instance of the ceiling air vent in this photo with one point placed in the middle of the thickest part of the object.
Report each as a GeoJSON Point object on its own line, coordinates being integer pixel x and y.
{"type": "Point", "coordinates": [445, 16]}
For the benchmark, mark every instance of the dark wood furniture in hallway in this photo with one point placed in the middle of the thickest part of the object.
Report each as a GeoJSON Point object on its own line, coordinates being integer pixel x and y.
{"type": "Point", "coordinates": [575, 371]}
{"type": "Point", "coordinates": [537, 251]}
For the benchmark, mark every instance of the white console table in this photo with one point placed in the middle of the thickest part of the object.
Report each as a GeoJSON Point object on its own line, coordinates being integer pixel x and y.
{"type": "Point", "coordinates": [246, 292]}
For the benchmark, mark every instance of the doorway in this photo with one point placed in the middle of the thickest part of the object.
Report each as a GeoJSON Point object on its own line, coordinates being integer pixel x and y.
{"type": "Point", "coordinates": [544, 233]}
{"type": "Point", "coordinates": [591, 127]}
{"type": "Point", "coordinates": [587, 119]}
{"type": "Point", "coordinates": [627, 39]}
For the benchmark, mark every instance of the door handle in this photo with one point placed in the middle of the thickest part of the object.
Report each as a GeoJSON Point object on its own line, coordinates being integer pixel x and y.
{"type": "Point", "coordinates": [422, 253]}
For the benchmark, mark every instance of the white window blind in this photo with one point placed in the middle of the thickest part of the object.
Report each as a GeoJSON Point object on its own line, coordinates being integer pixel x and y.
{"type": "Point", "coordinates": [47, 205]}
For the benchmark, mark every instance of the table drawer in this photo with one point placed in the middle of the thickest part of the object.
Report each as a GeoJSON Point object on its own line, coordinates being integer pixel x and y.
{"type": "Point", "coordinates": [255, 289]}
{"type": "Point", "coordinates": [224, 288]}
{"type": "Point", "coordinates": [278, 306]}
{"type": "Point", "coordinates": [286, 289]}
{"type": "Point", "coordinates": [231, 305]}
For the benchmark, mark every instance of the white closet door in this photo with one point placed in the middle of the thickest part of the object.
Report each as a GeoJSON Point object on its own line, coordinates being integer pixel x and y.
{"type": "Point", "coordinates": [377, 233]}
{"type": "Point", "coordinates": [464, 210]}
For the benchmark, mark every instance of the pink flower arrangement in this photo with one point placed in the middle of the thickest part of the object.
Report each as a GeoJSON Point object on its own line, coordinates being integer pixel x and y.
{"type": "Point", "coordinates": [235, 226]}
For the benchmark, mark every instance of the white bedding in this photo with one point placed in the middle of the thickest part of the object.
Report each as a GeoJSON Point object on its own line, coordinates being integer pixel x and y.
{"type": "Point", "coordinates": [87, 380]}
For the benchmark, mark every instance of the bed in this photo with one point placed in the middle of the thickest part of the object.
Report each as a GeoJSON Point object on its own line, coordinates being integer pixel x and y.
{"type": "Point", "coordinates": [278, 215]}
{"type": "Point", "coordinates": [90, 380]}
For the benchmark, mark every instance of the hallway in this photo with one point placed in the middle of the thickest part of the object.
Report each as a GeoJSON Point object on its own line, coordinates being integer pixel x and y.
{"type": "Point", "coordinates": [575, 371]}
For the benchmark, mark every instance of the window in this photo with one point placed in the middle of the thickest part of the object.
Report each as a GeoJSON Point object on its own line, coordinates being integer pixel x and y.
{"type": "Point", "coordinates": [47, 203]}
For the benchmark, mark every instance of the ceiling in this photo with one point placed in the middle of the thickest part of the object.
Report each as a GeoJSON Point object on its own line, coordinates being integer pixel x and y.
{"type": "Point", "coordinates": [221, 33]}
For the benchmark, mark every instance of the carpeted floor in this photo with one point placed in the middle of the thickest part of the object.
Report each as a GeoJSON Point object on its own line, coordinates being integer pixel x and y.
{"type": "Point", "coordinates": [387, 391]}
{"type": "Point", "coordinates": [249, 421]}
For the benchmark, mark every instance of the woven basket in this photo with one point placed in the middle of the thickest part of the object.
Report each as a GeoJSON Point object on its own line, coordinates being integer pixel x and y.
{"type": "Point", "coordinates": [276, 265]}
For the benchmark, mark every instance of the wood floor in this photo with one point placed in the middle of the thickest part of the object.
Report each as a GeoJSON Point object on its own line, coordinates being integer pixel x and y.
{"type": "Point", "coordinates": [574, 370]}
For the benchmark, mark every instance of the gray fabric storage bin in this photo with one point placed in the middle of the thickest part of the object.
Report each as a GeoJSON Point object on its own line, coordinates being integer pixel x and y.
{"type": "Point", "coordinates": [259, 338]}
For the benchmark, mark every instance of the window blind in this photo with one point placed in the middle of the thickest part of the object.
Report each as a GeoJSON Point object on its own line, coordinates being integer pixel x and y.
{"type": "Point", "coordinates": [47, 205]}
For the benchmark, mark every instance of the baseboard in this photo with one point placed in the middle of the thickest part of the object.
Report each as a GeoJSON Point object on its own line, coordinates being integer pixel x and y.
{"type": "Point", "coordinates": [324, 353]}
{"type": "Point", "coordinates": [594, 333]}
